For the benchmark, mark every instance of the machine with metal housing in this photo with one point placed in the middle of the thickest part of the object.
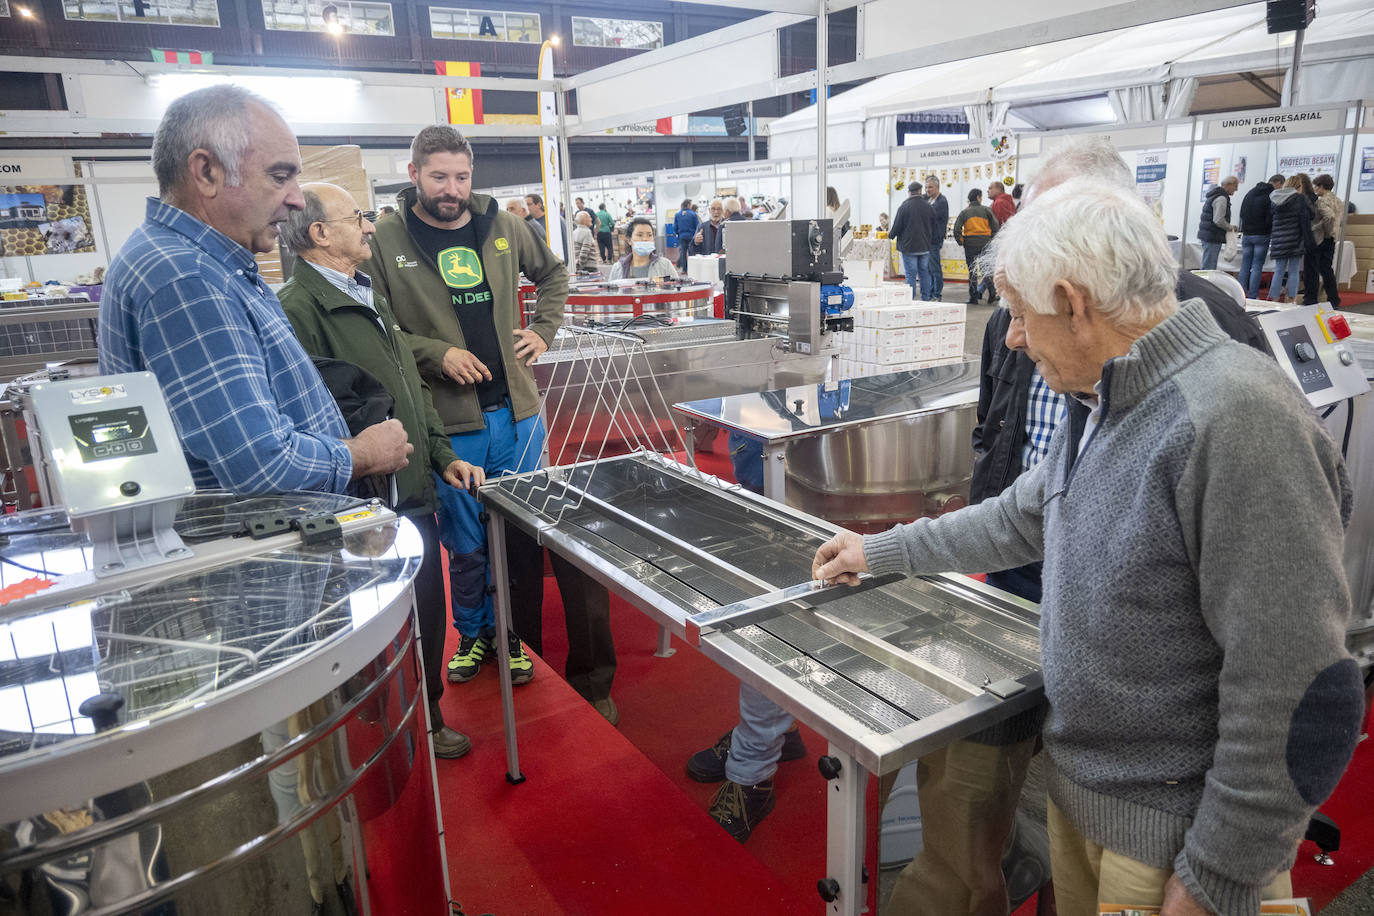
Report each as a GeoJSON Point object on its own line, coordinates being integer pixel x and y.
{"type": "Point", "coordinates": [173, 658]}
{"type": "Point", "coordinates": [781, 279]}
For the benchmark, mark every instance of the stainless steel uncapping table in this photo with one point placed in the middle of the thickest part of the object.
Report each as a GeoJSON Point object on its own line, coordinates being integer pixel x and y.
{"type": "Point", "coordinates": [885, 675]}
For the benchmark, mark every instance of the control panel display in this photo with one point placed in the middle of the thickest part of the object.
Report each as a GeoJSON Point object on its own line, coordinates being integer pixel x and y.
{"type": "Point", "coordinates": [1302, 356]}
{"type": "Point", "coordinates": [115, 433]}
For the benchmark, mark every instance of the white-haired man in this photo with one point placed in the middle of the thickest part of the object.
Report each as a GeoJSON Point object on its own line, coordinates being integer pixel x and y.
{"type": "Point", "coordinates": [337, 315]}
{"type": "Point", "coordinates": [584, 243]}
{"type": "Point", "coordinates": [1184, 762]}
{"type": "Point", "coordinates": [183, 299]}
{"type": "Point", "coordinates": [710, 237]}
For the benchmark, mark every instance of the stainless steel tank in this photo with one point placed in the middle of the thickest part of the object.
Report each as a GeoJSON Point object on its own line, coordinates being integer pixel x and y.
{"type": "Point", "coordinates": [236, 737]}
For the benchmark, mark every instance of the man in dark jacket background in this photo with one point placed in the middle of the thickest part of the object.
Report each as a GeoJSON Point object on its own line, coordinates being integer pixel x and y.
{"type": "Point", "coordinates": [1215, 220]}
{"type": "Point", "coordinates": [335, 313]}
{"type": "Point", "coordinates": [1256, 218]}
{"type": "Point", "coordinates": [940, 207]}
{"type": "Point", "coordinates": [914, 229]}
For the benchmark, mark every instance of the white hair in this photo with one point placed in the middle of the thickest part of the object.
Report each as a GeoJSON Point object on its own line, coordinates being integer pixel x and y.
{"type": "Point", "coordinates": [1100, 238]}
{"type": "Point", "coordinates": [217, 119]}
{"type": "Point", "coordinates": [1084, 157]}
{"type": "Point", "coordinates": [583, 218]}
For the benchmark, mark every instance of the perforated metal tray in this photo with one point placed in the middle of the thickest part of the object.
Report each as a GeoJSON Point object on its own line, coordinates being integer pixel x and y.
{"type": "Point", "coordinates": [887, 673]}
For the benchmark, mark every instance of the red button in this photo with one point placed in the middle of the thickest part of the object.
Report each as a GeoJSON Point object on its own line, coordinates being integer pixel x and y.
{"type": "Point", "coordinates": [1340, 328]}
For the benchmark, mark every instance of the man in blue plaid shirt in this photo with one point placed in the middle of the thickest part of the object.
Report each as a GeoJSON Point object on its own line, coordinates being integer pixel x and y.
{"type": "Point", "coordinates": [184, 300]}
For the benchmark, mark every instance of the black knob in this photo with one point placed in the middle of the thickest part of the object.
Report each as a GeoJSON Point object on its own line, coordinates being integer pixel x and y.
{"type": "Point", "coordinates": [102, 709]}
{"type": "Point", "coordinates": [829, 767]}
{"type": "Point", "coordinates": [829, 889]}
{"type": "Point", "coordinates": [130, 488]}
{"type": "Point", "coordinates": [1305, 352]}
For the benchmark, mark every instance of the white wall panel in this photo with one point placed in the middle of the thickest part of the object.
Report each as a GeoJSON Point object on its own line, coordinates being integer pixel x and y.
{"type": "Point", "coordinates": [308, 106]}
{"type": "Point", "coordinates": [736, 63]}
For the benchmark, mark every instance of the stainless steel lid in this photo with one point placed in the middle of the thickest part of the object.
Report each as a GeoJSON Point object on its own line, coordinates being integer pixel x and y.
{"type": "Point", "coordinates": [213, 640]}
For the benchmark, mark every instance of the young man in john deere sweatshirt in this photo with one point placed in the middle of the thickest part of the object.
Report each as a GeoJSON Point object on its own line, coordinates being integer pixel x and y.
{"type": "Point", "coordinates": [450, 262]}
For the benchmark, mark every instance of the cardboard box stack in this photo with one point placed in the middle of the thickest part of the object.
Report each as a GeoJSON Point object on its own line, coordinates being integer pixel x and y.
{"type": "Point", "coordinates": [893, 333]}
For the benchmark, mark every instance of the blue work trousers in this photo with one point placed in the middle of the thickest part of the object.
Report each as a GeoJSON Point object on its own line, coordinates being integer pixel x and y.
{"type": "Point", "coordinates": [917, 269]}
{"type": "Point", "coordinates": [1254, 249]}
{"type": "Point", "coordinates": [1211, 251]}
{"type": "Point", "coordinates": [1290, 266]}
{"type": "Point", "coordinates": [756, 744]}
{"type": "Point", "coordinates": [502, 446]}
{"type": "Point", "coordinates": [937, 273]}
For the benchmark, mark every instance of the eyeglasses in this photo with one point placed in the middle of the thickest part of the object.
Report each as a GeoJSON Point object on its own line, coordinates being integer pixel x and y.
{"type": "Point", "coordinates": [357, 216]}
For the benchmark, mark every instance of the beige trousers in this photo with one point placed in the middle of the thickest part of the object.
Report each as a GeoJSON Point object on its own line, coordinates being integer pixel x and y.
{"type": "Point", "coordinates": [1087, 876]}
{"type": "Point", "coordinates": [968, 795]}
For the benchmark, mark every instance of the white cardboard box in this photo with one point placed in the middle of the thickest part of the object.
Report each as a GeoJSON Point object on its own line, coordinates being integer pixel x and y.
{"type": "Point", "coordinates": [887, 337]}
{"type": "Point", "coordinates": [862, 273]}
{"type": "Point", "coordinates": [897, 293]}
{"type": "Point", "coordinates": [868, 296]}
{"type": "Point", "coordinates": [910, 315]}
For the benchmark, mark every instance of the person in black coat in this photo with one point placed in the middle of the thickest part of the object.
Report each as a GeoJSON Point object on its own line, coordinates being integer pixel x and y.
{"type": "Point", "coordinates": [914, 228]}
{"type": "Point", "coordinates": [1256, 219]}
{"type": "Point", "coordinates": [940, 205]}
{"type": "Point", "coordinates": [1290, 235]}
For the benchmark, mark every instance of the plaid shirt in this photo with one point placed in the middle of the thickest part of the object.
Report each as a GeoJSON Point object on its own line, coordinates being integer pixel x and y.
{"type": "Point", "coordinates": [1044, 411]}
{"type": "Point", "coordinates": [186, 302]}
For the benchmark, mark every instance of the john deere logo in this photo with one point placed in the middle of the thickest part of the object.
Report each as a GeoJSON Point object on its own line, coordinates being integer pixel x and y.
{"type": "Point", "coordinates": [461, 268]}
{"type": "Point", "coordinates": [502, 244]}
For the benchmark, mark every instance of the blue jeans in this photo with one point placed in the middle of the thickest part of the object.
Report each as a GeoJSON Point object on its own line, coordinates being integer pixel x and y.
{"type": "Point", "coordinates": [1292, 265]}
{"type": "Point", "coordinates": [937, 273]}
{"type": "Point", "coordinates": [1210, 252]}
{"type": "Point", "coordinates": [756, 744]}
{"type": "Point", "coordinates": [502, 446]}
{"type": "Point", "coordinates": [746, 459]}
{"type": "Point", "coordinates": [1253, 250]}
{"type": "Point", "coordinates": [915, 266]}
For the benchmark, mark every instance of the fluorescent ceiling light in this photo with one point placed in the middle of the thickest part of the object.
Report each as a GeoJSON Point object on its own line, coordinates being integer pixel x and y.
{"type": "Point", "coordinates": [278, 89]}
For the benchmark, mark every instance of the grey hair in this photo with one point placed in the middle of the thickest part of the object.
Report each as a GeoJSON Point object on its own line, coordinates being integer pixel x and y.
{"type": "Point", "coordinates": [1084, 157]}
{"type": "Point", "coordinates": [295, 232]}
{"type": "Point", "coordinates": [216, 119]}
{"type": "Point", "coordinates": [1097, 236]}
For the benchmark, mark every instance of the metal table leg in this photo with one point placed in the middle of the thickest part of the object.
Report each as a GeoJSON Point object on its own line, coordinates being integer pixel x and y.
{"type": "Point", "coordinates": [689, 439]}
{"type": "Point", "coordinates": [775, 472]}
{"type": "Point", "coordinates": [665, 643]}
{"type": "Point", "coordinates": [845, 837]}
{"type": "Point", "coordinates": [500, 580]}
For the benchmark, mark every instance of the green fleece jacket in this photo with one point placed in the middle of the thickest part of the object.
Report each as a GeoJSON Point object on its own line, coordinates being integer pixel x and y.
{"type": "Point", "coordinates": [420, 299]}
{"type": "Point", "coordinates": [330, 323]}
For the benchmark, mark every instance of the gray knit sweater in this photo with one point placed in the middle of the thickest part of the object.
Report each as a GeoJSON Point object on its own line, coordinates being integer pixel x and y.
{"type": "Point", "coordinates": [1202, 703]}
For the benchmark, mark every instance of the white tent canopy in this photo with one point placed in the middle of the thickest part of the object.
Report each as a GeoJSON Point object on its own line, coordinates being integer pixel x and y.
{"type": "Point", "coordinates": [1156, 55]}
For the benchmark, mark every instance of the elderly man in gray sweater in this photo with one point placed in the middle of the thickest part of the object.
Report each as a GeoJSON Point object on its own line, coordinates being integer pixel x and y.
{"type": "Point", "coordinates": [1202, 702]}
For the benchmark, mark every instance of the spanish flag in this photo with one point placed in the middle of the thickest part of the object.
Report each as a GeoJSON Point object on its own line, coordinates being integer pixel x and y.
{"type": "Point", "coordinates": [464, 105]}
